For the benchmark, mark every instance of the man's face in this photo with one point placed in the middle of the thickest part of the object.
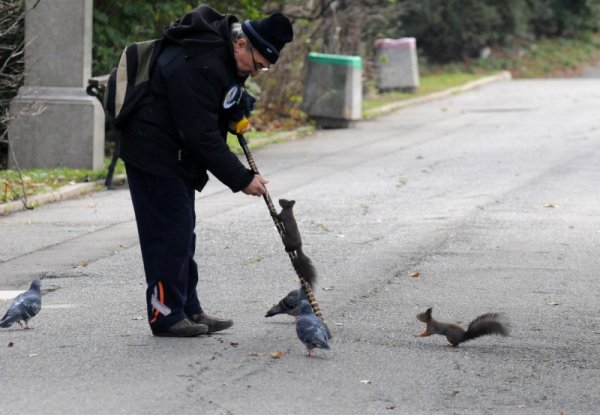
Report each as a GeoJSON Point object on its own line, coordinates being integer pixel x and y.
{"type": "Point", "coordinates": [249, 61]}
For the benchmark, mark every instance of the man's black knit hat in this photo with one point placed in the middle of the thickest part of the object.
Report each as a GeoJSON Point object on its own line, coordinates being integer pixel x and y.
{"type": "Point", "coordinates": [269, 35]}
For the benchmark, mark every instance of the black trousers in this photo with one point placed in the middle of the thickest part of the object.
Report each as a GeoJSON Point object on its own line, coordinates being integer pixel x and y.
{"type": "Point", "coordinates": [166, 218]}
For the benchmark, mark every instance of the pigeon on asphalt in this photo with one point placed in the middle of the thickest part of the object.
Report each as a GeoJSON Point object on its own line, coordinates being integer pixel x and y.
{"type": "Point", "coordinates": [310, 329]}
{"type": "Point", "coordinates": [290, 304]}
{"type": "Point", "coordinates": [25, 306]}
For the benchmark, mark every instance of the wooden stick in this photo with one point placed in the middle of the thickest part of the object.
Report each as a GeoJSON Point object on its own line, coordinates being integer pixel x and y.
{"type": "Point", "coordinates": [279, 225]}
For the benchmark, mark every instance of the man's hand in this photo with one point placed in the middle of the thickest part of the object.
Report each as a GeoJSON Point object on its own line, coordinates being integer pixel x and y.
{"type": "Point", "coordinates": [256, 186]}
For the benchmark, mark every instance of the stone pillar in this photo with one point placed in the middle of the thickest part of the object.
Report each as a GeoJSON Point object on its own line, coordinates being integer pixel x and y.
{"type": "Point", "coordinates": [396, 64]}
{"type": "Point", "coordinates": [53, 121]}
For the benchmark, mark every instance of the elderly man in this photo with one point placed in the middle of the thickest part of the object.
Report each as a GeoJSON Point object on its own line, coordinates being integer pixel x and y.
{"type": "Point", "coordinates": [176, 136]}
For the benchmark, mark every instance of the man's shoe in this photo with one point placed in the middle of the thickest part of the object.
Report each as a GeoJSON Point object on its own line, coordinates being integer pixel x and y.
{"type": "Point", "coordinates": [214, 324]}
{"type": "Point", "coordinates": [183, 328]}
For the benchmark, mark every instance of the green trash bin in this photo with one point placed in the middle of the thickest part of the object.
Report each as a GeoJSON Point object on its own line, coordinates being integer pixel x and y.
{"type": "Point", "coordinates": [333, 90]}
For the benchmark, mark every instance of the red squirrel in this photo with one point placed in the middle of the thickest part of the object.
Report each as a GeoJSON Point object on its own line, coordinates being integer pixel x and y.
{"type": "Point", "coordinates": [293, 242]}
{"type": "Point", "coordinates": [490, 323]}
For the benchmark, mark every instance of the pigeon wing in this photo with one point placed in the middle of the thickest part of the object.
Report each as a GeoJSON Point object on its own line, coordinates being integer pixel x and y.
{"type": "Point", "coordinates": [25, 306]}
{"type": "Point", "coordinates": [13, 314]}
{"type": "Point", "coordinates": [311, 332]}
{"type": "Point", "coordinates": [31, 304]}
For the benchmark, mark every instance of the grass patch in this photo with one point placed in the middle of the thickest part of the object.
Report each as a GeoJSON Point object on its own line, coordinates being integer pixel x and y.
{"type": "Point", "coordinates": [544, 58]}
{"type": "Point", "coordinates": [429, 83]}
{"type": "Point", "coordinates": [13, 186]}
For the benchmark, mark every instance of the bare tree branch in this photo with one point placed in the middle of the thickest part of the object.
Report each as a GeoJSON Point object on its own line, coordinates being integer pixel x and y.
{"type": "Point", "coordinates": [12, 64]}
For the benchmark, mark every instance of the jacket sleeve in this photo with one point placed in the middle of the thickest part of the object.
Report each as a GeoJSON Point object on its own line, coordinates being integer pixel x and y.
{"type": "Point", "coordinates": [194, 100]}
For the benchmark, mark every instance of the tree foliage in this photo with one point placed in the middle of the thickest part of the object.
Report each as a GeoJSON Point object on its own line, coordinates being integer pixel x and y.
{"type": "Point", "coordinates": [567, 18]}
{"type": "Point", "coordinates": [450, 30]}
{"type": "Point", "coordinates": [118, 23]}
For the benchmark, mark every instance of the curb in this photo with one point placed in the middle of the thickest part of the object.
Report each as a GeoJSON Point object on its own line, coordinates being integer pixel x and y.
{"type": "Point", "coordinates": [70, 191]}
{"type": "Point", "coordinates": [66, 192]}
{"type": "Point", "coordinates": [73, 191]}
{"type": "Point", "coordinates": [394, 106]}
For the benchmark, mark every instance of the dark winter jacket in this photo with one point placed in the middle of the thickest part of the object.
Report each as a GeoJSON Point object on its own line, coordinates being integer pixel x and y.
{"type": "Point", "coordinates": [181, 132]}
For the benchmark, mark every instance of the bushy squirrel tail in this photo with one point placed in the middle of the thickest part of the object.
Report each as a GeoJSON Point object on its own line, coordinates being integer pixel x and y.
{"type": "Point", "coordinates": [304, 267]}
{"type": "Point", "coordinates": [485, 324]}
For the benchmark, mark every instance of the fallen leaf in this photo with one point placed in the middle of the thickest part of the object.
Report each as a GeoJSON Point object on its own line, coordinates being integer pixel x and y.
{"type": "Point", "coordinates": [323, 226]}
{"type": "Point", "coordinates": [366, 382]}
{"type": "Point", "coordinates": [550, 205]}
{"type": "Point", "coordinates": [553, 303]}
{"type": "Point", "coordinates": [415, 274]}
{"type": "Point", "coordinates": [255, 354]}
{"type": "Point", "coordinates": [277, 355]}
{"type": "Point", "coordinates": [11, 344]}
{"type": "Point", "coordinates": [234, 344]}
{"type": "Point", "coordinates": [401, 182]}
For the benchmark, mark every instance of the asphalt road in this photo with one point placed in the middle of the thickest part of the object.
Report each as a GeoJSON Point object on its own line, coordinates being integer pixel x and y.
{"type": "Point", "coordinates": [491, 196]}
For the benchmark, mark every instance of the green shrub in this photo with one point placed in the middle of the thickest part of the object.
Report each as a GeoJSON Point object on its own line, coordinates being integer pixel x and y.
{"type": "Point", "coordinates": [119, 23]}
{"type": "Point", "coordinates": [570, 18]}
{"type": "Point", "coordinates": [452, 30]}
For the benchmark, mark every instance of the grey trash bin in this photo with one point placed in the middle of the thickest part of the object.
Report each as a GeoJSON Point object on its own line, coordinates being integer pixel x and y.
{"type": "Point", "coordinates": [396, 63]}
{"type": "Point", "coordinates": [333, 89]}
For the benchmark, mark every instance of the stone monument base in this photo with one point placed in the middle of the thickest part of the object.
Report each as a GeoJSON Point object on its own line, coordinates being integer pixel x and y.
{"type": "Point", "coordinates": [324, 123]}
{"type": "Point", "coordinates": [56, 126]}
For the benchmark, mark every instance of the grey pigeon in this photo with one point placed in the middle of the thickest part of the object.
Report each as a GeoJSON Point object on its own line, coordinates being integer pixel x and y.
{"type": "Point", "coordinates": [290, 304]}
{"type": "Point", "coordinates": [25, 306]}
{"type": "Point", "coordinates": [310, 329]}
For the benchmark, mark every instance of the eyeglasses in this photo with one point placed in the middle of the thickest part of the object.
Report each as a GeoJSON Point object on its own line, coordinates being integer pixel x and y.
{"type": "Point", "coordinates": [259, 67]}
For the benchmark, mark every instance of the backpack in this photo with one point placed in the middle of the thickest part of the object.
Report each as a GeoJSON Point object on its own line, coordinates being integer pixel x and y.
{"type": "Point", "coordinates": [127, 86]}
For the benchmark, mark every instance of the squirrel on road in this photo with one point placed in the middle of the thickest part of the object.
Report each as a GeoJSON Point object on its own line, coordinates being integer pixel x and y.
{"type": "Point", "coordinates": [490, 323]}
{"type": "Point", "coordinates": [293, 242]}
